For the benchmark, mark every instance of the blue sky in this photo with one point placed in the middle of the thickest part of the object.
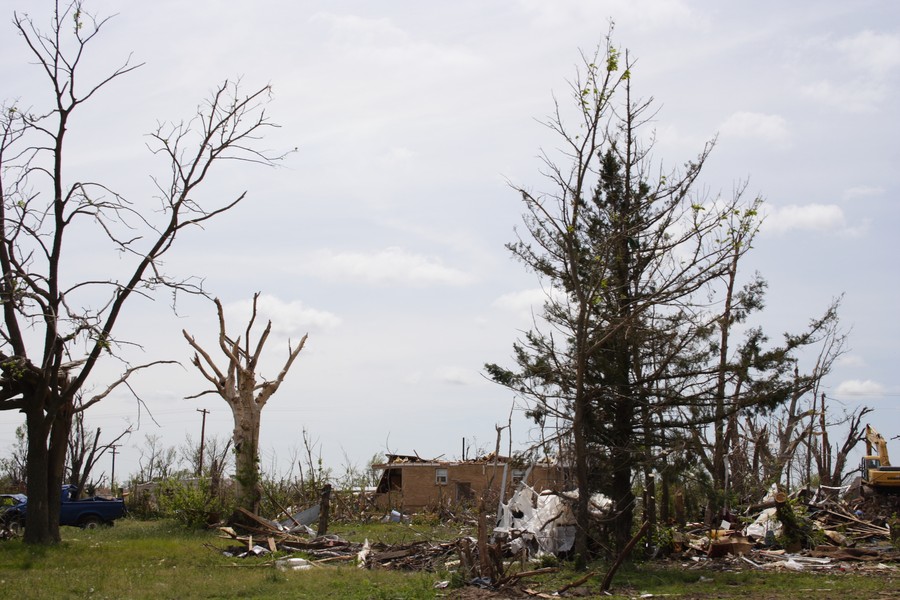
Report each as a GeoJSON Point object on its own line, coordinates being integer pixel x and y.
{"type": "Point", "coordinates": [383, 235]}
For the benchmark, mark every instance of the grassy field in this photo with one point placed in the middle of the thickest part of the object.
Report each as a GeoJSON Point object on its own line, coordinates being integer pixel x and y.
{"type": "Point", "coordinates": [158, 559]}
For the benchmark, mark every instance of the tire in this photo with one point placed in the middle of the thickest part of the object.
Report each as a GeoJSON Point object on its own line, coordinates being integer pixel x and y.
{"type": "Point", "coordinates": [13, 527]}
{"type": "Point", "coordinates": [90, 522]}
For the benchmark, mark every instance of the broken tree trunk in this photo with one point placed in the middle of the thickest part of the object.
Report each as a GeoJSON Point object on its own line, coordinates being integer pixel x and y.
{"type": "Point", "coordinates": [324, 504]}
{"type": "Point", "coordinates": [237, 385]}
{"type": "Point", "coordinates": [796, 531]}
{"type": "Point", "coordinates": [607, 581]}
{"type": "Point", "coordinates": [247, 417]}
{"type": "Point", "coordinates": [483, 558]}
{"type": "Point", "coordinates": [466, 560]}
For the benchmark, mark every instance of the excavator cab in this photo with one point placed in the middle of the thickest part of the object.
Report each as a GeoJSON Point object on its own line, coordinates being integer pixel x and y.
{"type": "Point", "coordinates": [869, 462]}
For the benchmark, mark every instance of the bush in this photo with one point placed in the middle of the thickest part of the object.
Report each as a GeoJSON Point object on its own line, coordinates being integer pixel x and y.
{"type": "Point", "coordinates": [285, 494]}
{"type": "Point", "coordinates": [142, 505]}
{"type": "Point", "coordinates": [192, 503]}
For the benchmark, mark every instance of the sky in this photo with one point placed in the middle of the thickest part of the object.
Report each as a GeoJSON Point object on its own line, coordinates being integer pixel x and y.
{"type": "Point", "coordinates": [382, 236]}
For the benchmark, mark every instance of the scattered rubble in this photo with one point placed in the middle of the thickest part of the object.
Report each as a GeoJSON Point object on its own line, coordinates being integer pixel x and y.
{"type": "Point", "coordinates": [834, 536]}
{"type": "Point", "coordinates": [272, 536]}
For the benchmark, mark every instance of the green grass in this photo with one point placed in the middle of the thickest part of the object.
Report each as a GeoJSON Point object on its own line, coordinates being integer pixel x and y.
{"type": "Point", "coordinates": [418, 530]}
{"type": "Point", "coordinates": [673, 580]}
{"type": "Point", "coordinates": [756, 584]}
{"type": "Point", "coordinates": [159, 559]}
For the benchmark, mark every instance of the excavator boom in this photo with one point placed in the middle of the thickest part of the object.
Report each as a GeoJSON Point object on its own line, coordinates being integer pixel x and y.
{"type": "Point", "coordinates": [876, 445]}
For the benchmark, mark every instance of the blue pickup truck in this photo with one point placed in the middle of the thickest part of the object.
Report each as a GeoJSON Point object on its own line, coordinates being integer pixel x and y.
{"type": "Point", "coordinates": [87, 513]}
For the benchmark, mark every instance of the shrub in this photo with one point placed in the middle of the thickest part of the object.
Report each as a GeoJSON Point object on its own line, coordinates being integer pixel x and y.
{"type": "Point", "coordinates": [193, 503]}
{"type": "Point", "coordinates": [142, 505]}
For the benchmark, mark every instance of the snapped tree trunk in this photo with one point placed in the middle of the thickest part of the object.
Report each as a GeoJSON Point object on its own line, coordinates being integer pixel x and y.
{"type": "Point", "coordinates": [246, 459]}
{"type": "Point", "coordinates": [237, 385]}
{"type": "Point", "coordinates": [324, 510]}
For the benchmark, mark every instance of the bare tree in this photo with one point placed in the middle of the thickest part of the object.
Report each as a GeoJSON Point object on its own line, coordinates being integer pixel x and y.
{"type": "Point", "coordinates": [311, 469]}
{"type": "Point", "coordinates": [763, 407]}
{"type": "Point", "coordinates": [12, 466]}
{"type": "Point", "coordinates": [237, 385]}
{"type": "Point", "coordinates": [831, 461]}
{"type": "Point", "coordinates": [216, 456]}
{"type": "Point", "coordinates": [56, 328]}
{"type": "Point", "coordinates": [85, 451]}
{"type": "Point", "coordinates": [156, 462]}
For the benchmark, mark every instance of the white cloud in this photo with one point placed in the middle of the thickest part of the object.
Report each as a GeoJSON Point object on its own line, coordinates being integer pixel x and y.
{"type": "Point", "coordinates": [361, 31]}
{"type": "Point", "coordinates": [856, 387]}
{"type": "Point", "coordinates": [397, 155]}
{"type": "Point", "coordinates": [809, 217]}
{"type": "Point", "coordinates": [862, 191]}
{"type": "Point", "coordinates": [877, 53]}
{"type": "Point", "coordinates": [645, 15]}
{"type": "Point", "coordinates": [852, 361]}
{"type": "Point", "coordinates": [380, 40]}
{"type": "Point", "coordinates": [289, 319]}
{"type": "Point", "coordinates": [856, 97]}
{"type": "Point", "coordinates": [391, 266]}
{"type": "Point", "coordinates": [770, 128]}
{"type": "Point", "coordinates": [523, 303]}
{"type": "Point", "coordinates": [455, 375]}
{"type": "Point", "coordinates": [858, 70]}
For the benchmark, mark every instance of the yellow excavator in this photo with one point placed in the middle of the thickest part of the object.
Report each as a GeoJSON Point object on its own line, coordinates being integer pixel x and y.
{"type": "Point", "coordinates": [877, 472]}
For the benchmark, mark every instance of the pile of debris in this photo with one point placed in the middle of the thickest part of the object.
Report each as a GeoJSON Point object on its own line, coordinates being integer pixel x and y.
{"type": "Point", "coordinates": [294, 536]}
{"type": "Point", "coordinates": [808, 528]}
{"type": "Point", "coordinates": [798, 533]}
{"type": "Point", "coordinates": [478, 561]}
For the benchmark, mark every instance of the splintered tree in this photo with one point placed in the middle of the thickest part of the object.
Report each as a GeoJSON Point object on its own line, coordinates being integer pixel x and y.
{"type": "Point", "coordinates": [625, 250]}
{"type": "Point", "coordinates": [753, 379]}
{"type": "Point", "coordinates": [237, 385]}
{"type": "Point", "coordinates": [60, 310]}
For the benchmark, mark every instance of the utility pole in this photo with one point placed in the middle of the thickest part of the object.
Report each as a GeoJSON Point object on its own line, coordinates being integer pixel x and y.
{"type": "Point", "coordinates": [114, 448]}
{"type": "Point", "coordinates": [202, 441]}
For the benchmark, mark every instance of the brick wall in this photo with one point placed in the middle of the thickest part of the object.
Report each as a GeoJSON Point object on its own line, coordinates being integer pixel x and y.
{"type": "Point", "coordinates": [465, 482]}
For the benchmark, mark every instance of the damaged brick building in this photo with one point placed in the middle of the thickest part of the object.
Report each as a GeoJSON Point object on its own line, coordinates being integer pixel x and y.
{"type": "Point", "coordinates": [414, 483]}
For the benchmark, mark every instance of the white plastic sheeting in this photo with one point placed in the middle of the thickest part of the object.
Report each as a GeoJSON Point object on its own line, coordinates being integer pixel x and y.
{"type": "Point", "coordinates": [766, 521]}
{"type": "Point", "coordinates": [543, 523]}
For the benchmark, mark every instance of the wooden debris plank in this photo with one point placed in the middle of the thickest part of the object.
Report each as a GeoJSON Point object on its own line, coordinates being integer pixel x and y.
{"type": "Point", "coordinates": [392, 554]}
{"type": "Point", "coordinates": [340, 557]}
{"type": "Point", "coordinates": [865, 524]}
{"type": "Point", "coordinates": [281, 508]}
{"type": "Point", "coordinates": [264, 522]}
{"type": "Point", "coordinates": [537, 594]}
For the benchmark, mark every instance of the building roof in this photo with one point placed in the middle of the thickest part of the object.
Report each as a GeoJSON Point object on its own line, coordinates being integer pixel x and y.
{"type": "Point", "coordinates": [406, 460]}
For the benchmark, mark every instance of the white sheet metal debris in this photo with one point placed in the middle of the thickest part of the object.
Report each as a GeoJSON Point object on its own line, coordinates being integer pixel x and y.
{"type": "Point", "coordinates": [543, 523]}
{"type": "Point", "coordinates": [293, 564]}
